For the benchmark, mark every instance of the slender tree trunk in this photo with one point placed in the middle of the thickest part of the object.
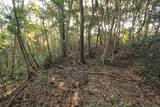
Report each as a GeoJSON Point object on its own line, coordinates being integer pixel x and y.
{"type": "Point", "coordinates": [131, 32]}
{"type": "Point", "coordinates": [70, 4]}
{"type": "Point", "coordinates": [32, 56]}
{"type": "Point", "coordinates": [118, 27]}
{"type": "Point", "coordinates": [81, 31]}
{"type": "Point", "coordinates": [144, 21]}
{"type": "Point", "coordinates": [13, 56]}
{"type": "Point", "coordinates": [6, 55]}
{"type": "Point", "coordinates": [46, 36]}
{"type": "Point", "coordinates": [3, 82]}
{"type": "Point", "coordinates": [97, 39]}
{"type": "Point", "coordinates": [90, 27]}
{"type": "Point", "coordinates": [110, 34]}
{"type": "Point", "coordinates": [62, 30]}
{"type": "Point", "coordinates": [157, 30]}
{"type": "Point", "coordinates": [20, 41]}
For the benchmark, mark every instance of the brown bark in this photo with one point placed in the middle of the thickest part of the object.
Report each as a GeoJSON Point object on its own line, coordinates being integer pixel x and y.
{"type": "Point", "coordinates": [90, 27]}
{"type": "Point", "coordinates": [81, 31]}
{"type": "Point", "coordinates": [70, 4]}
{"type": "Point", "coordinates": [20, 41]}
{"type": "Point", "coordinates": [62, 30]}
{"type": "Point", "coordinates": [46, 37]}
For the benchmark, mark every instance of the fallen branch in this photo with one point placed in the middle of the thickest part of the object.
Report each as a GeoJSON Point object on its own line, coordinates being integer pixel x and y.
{"type": "Point", "coordinates": [76, 70]}
{"type": "Point", "coordinates": [71, 69]}
{"type": "Point", "coordinates": [10, 103]}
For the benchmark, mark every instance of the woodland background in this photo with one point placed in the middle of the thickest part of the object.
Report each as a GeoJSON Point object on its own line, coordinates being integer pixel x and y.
{"type": "Point", "coordinates": [36, 34]}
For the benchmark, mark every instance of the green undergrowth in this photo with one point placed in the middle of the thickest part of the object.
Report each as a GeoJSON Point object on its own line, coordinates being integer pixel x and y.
{"type": "Point", "coordinates": [147, 51]}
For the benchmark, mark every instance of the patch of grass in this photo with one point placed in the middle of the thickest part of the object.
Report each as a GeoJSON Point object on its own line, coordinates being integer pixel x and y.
{"type": "Point", "coordinates": [113, 102]}
{"type": "Point", "coordinates": [43, 78]}
{"type": "Point", "coordinates": [113, 99]}
{"type": "Point", "coordinates": [155, 105]}
{"type": "Point", "coordinates": [106, 60]}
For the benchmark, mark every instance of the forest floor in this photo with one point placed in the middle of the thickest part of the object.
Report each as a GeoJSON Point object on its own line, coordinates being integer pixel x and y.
{"type": "Point", "coordinates": [94, 84]}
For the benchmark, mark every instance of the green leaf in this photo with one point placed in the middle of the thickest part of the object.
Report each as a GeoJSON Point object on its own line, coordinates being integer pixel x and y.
{"type": "Point", "coordinates": [58, 3]}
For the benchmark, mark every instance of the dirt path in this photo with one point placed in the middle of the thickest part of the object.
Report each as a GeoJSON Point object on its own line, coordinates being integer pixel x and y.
{"type": "Point", "coordinates": [92, 85]}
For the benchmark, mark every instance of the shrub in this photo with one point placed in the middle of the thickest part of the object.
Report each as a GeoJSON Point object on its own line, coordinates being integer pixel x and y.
{"type": "Point", "coordinates": [106, 59]}
{"type": "Point", "coordinates": [148, 52]}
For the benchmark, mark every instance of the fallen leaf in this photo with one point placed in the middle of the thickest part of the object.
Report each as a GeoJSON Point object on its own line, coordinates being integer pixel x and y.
{"type": "Point", "coordinates": [75, 100]}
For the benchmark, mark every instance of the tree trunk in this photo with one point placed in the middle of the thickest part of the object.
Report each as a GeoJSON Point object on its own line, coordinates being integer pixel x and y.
{"type": "Point", "coordinates": [144, 21]}
{"type": "Point", "coordinates": [20, 41]}
{"type": "Point", "coordinates": [32, 55]}
{"type": "Point", "coordinates": [90, 27]}
{"type": "Point", "coordinates": [81, 31]}
{"type": "Point", "coordinates": [62, 30]}
{"type": "Point", "coordinates": [117, 29]}
{"type": "Point", "coordinates": [46, 36]}
{"type": "Point", "coordinates": [70, 3]}
{"type": "Point", "coordinates": [13, 56]}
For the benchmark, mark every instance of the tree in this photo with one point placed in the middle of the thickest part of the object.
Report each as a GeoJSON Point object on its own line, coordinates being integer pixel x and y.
{"type": "Point", "coordinates": [19, 37]}
{"type": "Point", "coordinates": [62, 28]}
{"type": "Point", "coordinates": [81, 31]}
{"type": "Point", "coordinates": [90, 26]}
{"type": "Point", "coordinates": [61, 21]}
